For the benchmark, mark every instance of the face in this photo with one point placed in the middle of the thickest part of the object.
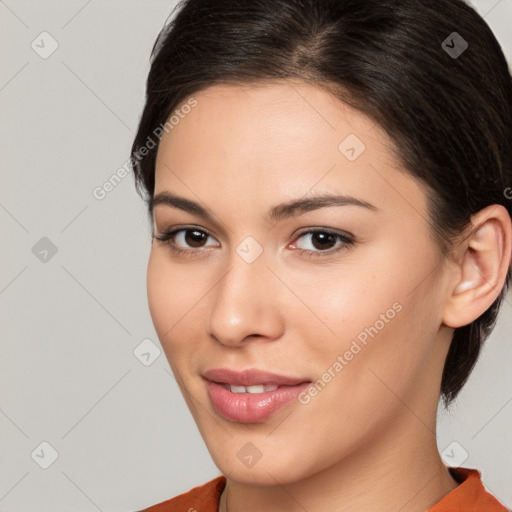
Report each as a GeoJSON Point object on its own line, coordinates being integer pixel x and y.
{"type": "Point", "coordinates": [344, 295]}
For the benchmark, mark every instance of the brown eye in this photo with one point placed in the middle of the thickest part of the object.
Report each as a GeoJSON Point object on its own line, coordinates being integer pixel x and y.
{"type": "Point", "coordinates": [185, 240]}
{"type": "Point", "coordinates": [321, 242]}
{"type": "Point", "coordinates": [194, 237]}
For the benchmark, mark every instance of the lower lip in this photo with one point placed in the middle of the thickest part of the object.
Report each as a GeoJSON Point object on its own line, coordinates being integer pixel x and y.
{"type": "Point", "coordinates": [251, 407]}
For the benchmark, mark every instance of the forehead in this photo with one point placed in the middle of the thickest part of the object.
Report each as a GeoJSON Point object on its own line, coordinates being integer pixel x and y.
{"type": "Point", "coordinates": [276, 139]}
{"type": "Point", "coordinates": [281, 110]}
{"type": "Point", "coordinates": [280, 116]}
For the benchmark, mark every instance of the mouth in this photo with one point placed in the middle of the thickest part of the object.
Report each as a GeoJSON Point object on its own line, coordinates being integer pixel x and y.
{"type": "Point", "coordinates": [250, 379]}
{"type": "Point", "coordinates": [250, 396]}
{"type": "Point", "coordinates": [254, 389]}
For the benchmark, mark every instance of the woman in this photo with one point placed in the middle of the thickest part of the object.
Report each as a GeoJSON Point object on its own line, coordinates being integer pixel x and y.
{"type": "Point", "coordinates": [327, 186]}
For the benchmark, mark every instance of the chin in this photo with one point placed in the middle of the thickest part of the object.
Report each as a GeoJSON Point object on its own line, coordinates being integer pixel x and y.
{"type": "Point", "coordinates": [270, 470]}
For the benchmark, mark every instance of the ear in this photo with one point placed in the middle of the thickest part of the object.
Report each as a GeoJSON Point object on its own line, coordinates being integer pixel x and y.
{"type": "Point", "coordinates": [482, 263]}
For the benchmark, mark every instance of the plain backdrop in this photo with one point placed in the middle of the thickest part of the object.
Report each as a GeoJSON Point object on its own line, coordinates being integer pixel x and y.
{"type": "Point", "coordinates": [111, 429]}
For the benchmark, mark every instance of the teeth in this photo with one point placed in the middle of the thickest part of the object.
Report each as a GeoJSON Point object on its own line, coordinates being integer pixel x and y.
{"type": "Point", "coordinates": [259, 388]}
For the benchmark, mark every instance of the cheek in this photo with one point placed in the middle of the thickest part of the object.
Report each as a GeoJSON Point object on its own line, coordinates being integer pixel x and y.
{"type": "Point", "coordinates": [177, 299]}
{"type": "Point", "coordinates": [159, 298]}
{"type": "Point", "coordinates": [342, 302]}
{"type": "Point", "coordinates": [169, 296]}
{"type": "Point", "coordinates": [368, 324]}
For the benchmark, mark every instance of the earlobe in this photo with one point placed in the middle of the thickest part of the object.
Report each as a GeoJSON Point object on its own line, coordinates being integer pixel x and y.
{"type": "Point", "coordinates": [482, 267]}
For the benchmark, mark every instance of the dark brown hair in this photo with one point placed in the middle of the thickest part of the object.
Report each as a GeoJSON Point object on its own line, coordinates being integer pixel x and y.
{"type": "Point", "coordinates": [449, 115]}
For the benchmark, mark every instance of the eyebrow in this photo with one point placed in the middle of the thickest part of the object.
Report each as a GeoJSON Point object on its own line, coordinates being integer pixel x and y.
{"type": "Point", "coordinates": [277, 213]}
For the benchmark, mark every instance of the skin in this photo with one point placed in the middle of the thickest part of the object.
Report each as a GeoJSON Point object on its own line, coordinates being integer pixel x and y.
{"type": "Point", "coordinates": [367, 440]}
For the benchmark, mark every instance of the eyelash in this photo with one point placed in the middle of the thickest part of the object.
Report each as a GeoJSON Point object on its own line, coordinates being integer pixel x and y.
{"type": "Point", "coordinates": [348, 241]}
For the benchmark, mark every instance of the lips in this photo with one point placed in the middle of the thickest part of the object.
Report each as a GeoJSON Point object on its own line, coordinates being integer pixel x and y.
{"type": "Point", "coordinates": [250, 377]}
{"type": "Point", "coordinates": [251, 396]}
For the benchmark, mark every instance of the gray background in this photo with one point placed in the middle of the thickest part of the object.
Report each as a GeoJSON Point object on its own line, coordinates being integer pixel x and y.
{"type": "Point", "coordinates": [70, 321]}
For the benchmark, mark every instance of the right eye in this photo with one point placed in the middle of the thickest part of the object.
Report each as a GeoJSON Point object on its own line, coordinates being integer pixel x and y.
{"type": "Point", "coordinates": [184, 240]}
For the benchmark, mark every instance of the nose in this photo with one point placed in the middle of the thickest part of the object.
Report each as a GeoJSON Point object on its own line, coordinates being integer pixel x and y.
{"type": "Point", "coordinates": [245, 304]}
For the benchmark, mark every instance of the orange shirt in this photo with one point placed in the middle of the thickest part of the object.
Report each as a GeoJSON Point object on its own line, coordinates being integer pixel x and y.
{"type": "Point", "coordinates": [469, 496]}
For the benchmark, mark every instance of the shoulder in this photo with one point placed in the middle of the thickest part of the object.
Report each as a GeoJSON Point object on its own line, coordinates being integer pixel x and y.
{"type": "Point", "coordinates": [469, 496]}
{"type": "Point", "coordinates": [204, 498]}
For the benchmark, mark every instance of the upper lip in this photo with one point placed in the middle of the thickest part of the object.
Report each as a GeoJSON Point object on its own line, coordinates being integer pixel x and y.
{"type": "Point", "coordinates": [250, 377]}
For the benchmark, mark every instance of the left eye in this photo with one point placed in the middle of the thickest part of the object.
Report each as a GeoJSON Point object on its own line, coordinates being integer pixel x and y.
{"type": "Point", "coordinates": [323, 241]}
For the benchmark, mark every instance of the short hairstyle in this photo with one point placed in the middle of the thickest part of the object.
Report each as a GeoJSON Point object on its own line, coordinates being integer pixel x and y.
{"type": "Point", "coordinates": [446, 107]}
